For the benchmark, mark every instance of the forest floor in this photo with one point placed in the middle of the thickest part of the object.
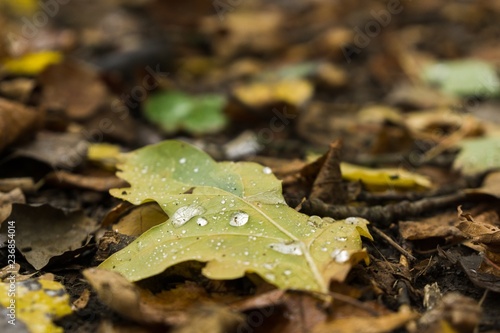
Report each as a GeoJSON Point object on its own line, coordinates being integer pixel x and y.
{"type": "Point", "coordinates": [379, 112]}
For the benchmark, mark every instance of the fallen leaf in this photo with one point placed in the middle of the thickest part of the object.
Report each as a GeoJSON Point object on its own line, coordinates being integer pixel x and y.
{"type": "Point", "coordinates": [381, 324]}
{"type": "Point", "coordinates": [139, 219]}
{"type": "Point", "coordinates": [387, 178]}
{"type": "Point", "coordinates": [463, 77]}
{"type": "Point", "coordinates": [32, 63]}
{"type": "Point", "coordinates": [44, 232]}
{"type": "Point", "coordinates": [37, 303]}
{"type": "Point", "coordinates": [17, 122]}
{"type": "Point", "coordinates": [457, 312]}
{"type": "Point", "coordinates": [58, 150]}
{"type": "Point", "coordinates": [103, 154]}
{"type": "Point", "coordinates": [175, 110]}
{"type": "Point", "coordinates": [97, 183]}
{"type": "Point", "coordinates": [294, 92]}
{"type": "Point", "coordinates": [130, 301]}
{"type": "Point", "coordinates": [478, 155]}
{"type": "Point", "coordinates": [6, 201]}
{"type": "Point", "coordinates": [72, 88]}
{"type": "Point", "coordinates": [18, 89]}
{"type": "Point", "coordinates": [210, 318]}
{"type": "Point", "coordinates": [239, 223]}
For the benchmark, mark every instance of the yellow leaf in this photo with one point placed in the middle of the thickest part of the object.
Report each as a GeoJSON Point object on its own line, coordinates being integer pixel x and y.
{"type": "Point", "coordinates": [33, 63]}
{"type": "Point", "coordinates": [36, 302]}
{"type": "Point", "coordinates": [380, 179]}
{"type": "Point", "coordinates": [20, 7]}
{"type": "Point", "coordinates": [104, 154]}
{"type": "Point", "coordinates": [293, 92]}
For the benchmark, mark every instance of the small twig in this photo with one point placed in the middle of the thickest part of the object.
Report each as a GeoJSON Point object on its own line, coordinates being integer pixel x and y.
{"type": "Point", "coordinates": [394, 244]}
{"type": "Point", "coordinates": [384, 215]}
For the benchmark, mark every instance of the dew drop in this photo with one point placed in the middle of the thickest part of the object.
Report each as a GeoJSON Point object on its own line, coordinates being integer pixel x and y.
{"type": "Point", "coordinates": [238, 219]}
{"type": "Point", "coordinates": [267, 170]}
{"type": "Point", "coordinates": [353, 220]}
{"type": "Point", "coordinates": [196, 170]}
{"type": "Point", "coordinates": [186, 213]}
{"type": "Point", "coordinates": [341, 239]}
{"type": "Point", "coordinates": [201, 221]}
{"type": "Point", "coordinates": [292, 248]}
{"type": "Point", "coordinates": [223, 201]}
{"type": "Point", "coordinates": [270, 277]}
{"type": "Point", "coordinates": [287, 272]}
{"type": "Point", "coordinates": [340, 256]}
{"type": "Point", "coordinates": [182, 160]}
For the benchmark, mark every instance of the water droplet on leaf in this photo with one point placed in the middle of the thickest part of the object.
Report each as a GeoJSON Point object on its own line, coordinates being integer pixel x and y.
{"type": "Point", "coordinates": [201, 221]}
{"type": "Point", "coordinates": [340, 256]}
{"type": "Point", "coordinates": [186, 213]}
{"type": "Point", "coordinates": [238, 219]}
{"type": "Point", "coordinates": [292, 248]}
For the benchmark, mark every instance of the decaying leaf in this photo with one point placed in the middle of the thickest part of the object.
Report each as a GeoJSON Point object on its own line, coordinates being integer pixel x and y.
{"type": "Point", "coordinates": [382, 324]}
{"type": "Point", "coordinates": [6, 201]}
{"type": "Point", "coordinates": [16, 122]}
{"type": "Point", "coordinates": [45, 232]}
{"type": "Point", "coordinates": [78, 96]}
{"type": "Point", "coordinates": [232, 216]}
{"type": "Point", "coordinates": [37, 303]}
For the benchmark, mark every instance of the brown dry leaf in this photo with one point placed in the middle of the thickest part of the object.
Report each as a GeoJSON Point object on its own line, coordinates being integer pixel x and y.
{"type": "Point", "coordinates": [17, 122]}
{"type": "Point", "coordinates": [129, 300]}
{"type": "Point", "coordinates": [90, 182]}
{"type": "Point", "coordinates": [442, 226]}
{"type": "Point", "coordinates": [490, 186]}
{"type": "Point", "coordinates": [327, 186]}
{"type": "Point", "coordinates": [331, 75]}
{"type": "Point", "coordinates": [18, 89]}
{"type": "Point", "coordinates": [65, 150]}
{"type": "Point", "coordinates": [460, 312]}
{"type": "Point", "coordinates": [384, 323]}
{"type": "Point", "coordinates": [44, 232]}
{"type": "Point", "coordinates": [26, 184]}
{"type": "Point", "coordinates": [249, 31]}
{"type": "Point", "coordinates": [301, 313]}
{"type": "Point", "coordinates": [116, 292]}
{"type": "Point", "coordinates": [73, 88]}
{"type": "Point", "coordinates": [419, 97]}
{"type": "Point", "coordinates": [137, 219]}
{"type": "Point", "coordinates": [82, 301]}
{"type": "Point", "coordinates": [483, 230]}
{"type": "Point", "coordinates": [6, 201]}
{"type": "Point", "coordinates": [210, 318]}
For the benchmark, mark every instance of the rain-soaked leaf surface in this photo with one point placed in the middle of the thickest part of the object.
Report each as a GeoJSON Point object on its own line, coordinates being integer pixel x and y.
{"type": "Point", "coordinates": [232, 216]}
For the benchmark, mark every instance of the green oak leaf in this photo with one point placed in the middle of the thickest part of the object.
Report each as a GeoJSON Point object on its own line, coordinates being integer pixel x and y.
{"type": "Point", "coordinates": [233, 217]}
{"type": "Point", "coordinates": [175, 110]}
